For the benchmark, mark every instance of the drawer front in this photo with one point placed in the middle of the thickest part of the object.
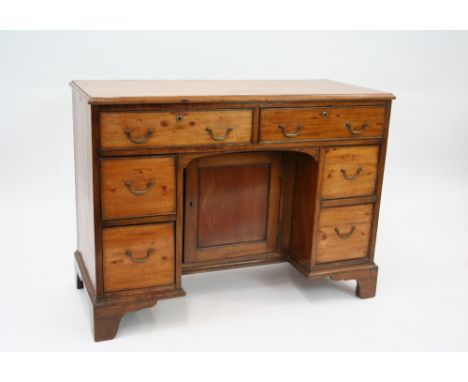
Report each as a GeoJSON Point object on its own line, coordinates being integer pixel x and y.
{"type": "Point", "coordinates": [349, 171]}
{"type": "Point", "coordinates": [137, 187]}
{"type": "Point", "coordinates": [138, 256]}
{"type": "Point", "coordinates": [344, 233]}
{"type": "Point", "coordinates": [129, 130]}
{"type": "Point", "coordinates": [321, 123]}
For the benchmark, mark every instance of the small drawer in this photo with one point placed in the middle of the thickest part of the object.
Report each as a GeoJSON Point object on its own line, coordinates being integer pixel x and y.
{"type": "Point", "coordinates": [281, 125]}
{"type": "Point", "coordinates": [349, 171]}
{"type": "Point", "coordinates": [138, 256]}
{"type": "Point", "coordinates": [137, 187]}
{"type": "Point", "coordinates": [344, 233]}
{"type": "Point", "coordinates": [130, 130]}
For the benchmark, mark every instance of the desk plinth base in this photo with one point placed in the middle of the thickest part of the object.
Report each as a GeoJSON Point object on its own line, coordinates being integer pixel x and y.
{"type": "Point", "coordinates": [108, 312]}
{"type": "Point", "coordinates": [364, 274]}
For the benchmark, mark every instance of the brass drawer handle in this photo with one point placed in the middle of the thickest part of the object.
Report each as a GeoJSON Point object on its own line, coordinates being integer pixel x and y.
{"type": "Point", "coordinates": [351, 177]}
{"type": "Point", "coordinates": [129, 253]}
{"type": "Point", "coordinates": [344, 236]}
{"type": "Point", "coordinates": [219, 137]}
{"type": "Point", "coordinates": [138, 141]}
{"type": "Point", "coordinates": [299, 128]}
{"type": "Point", "coordinates": [136, 192]}
{"type": "Point", "coordinates": [354, 131]}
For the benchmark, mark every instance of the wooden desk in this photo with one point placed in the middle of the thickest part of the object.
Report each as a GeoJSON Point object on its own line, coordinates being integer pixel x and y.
{"type": "Point", "coordinates": [177, 177]}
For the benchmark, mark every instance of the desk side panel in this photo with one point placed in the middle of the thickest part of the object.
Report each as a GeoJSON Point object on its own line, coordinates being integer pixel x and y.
{"type": "Point", "coordinates": [84, 184]}
{"type": "Point", "coordinates": [379, 182]}
{"type": "Point", "coordinates": [305, 205]}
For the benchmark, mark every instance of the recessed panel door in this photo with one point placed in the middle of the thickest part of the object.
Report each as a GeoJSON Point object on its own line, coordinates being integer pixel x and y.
{"type": "Point", "coordinates": [231, 206]}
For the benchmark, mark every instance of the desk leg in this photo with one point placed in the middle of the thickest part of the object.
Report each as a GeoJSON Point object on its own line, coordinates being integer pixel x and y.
{"type": "Point", "coordinates": [106, 318]}
{"type": "Point", "coordinates": [366, 280]}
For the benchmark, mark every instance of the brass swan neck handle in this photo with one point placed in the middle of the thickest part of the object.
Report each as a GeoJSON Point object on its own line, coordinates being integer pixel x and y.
{"type": "Point", "coordinates": [138, 140]}
{"type": "Point", "coordinates": [139, 192]}
{"type": "Point", "coordinates": [299, 128]}
{"type": "Point", "coordinates": [355, 131]}
{"type": "Point", "coordinates": [345, 235]}
{"type": "Point", "coordinates": [219, 137]}
{"type": "Point", "coordinates": [129, 253]}
{"type": "Point", "coordinates": [351, 177]}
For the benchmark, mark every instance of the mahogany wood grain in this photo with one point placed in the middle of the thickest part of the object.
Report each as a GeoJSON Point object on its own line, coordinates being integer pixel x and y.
{"type": "Point", "coordinates": [379, 183]}
{"type": "Point", "coordinates": [349, 171]}
{"type": "Point", "coordinates": [316, 212]}
{"type": "Point", "coordinates": [97, 202]}
{"type": "Point", "coordinates": [347, 201]}
{"type": "Point", "coordinates": [138, 256]}
{"type": "Point", "coordinates": [139, 220]}
{"type": "Point", "coordinates": [232, 206]}
{"type": "Point", "coordinates": [179, 224]}
{"type": "Point", "coordinates": [303, 212]}
{"type": "Point", "coordinates": [228, 215]}
{"type": "Point", "coordinates": [288, 176]}
{"type": "Point", "coordinates": [107, 92]}
{"type": "Point", "coordinates": [124, 130]}
{"type": "Point", "coordinates": [262, 193]}
{"type": "Point", "coordinates": [138, 187]}
{"type": "Point", "coordinates": [297, 124]}
{"type": "Point", "coordinates": [84, 188]}
{"type": "Point", "coordinates": [237, 262]}
{"type": "Point", "coordinates": [344, 233]}
{"type": "Point", "coordinates": [241, 147]}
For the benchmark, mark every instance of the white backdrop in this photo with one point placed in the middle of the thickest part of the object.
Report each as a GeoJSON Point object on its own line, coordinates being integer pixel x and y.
{"type": "Point", "coordinates": [422, 246]}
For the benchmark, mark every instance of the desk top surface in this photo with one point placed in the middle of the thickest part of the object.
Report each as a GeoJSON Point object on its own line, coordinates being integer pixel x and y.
{"type": "Point", "coordinates": [184, 91]}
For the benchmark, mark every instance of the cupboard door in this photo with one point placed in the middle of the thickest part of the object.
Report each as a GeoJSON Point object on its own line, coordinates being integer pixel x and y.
{"type": "Point", "coordinates": [231, 206]}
